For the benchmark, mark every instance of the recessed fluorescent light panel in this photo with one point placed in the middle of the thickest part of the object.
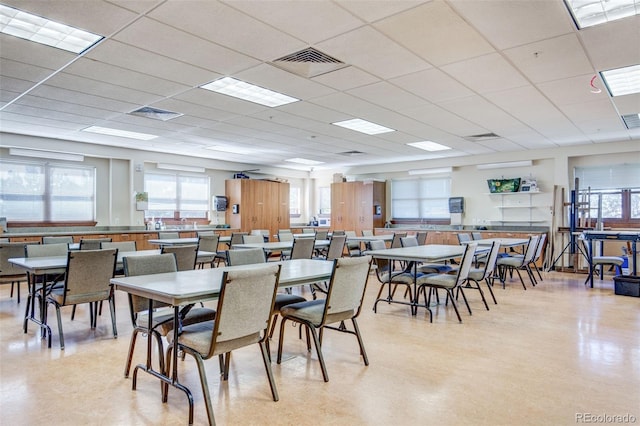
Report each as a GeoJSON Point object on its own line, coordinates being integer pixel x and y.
{"type": "Point", "coordinates": [120, 133]}
{"type": "Point", "coordinates": [588, 13]}
{"type": "Point", "coordinates": [622, 81]}
{"type": "Point", "coordinates": [248, 92]}
{"type": "Point", "coordinates": [304, 161]}
{"type": "Point", "coordinates": [429, 146]}
{"type": "Point", "coordinates": [363, 126]}
{"type": "Point", "coordinates": [35, 28]}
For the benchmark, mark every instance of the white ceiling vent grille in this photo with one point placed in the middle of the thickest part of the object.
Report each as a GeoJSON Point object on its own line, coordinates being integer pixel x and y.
{"type": "Point", "coordinates": [632, 121]}
{"type": "Point", "coordinates": [309, 63]}
{"type": "Point", "coordinates": [156, 114]}
{"type": "Point", "coordinates": [482, 137]}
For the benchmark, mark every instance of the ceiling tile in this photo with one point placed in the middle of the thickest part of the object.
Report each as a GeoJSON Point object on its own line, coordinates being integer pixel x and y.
{"type": "Point", "coordinates": [388, 96]}
{"type": "Point", "coordinates": [487, 73]}
{"type": "Point", "coordinates": [612, 45]}
{"type": "Point", "coordinates": [433, 85]}
{"type": "Point", "coordinates": [373, 10]}
{"type": "Point", "coordinates": [346, 78]}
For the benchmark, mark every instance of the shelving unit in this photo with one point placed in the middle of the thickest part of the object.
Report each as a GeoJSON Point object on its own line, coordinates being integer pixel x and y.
{"type": "Point", "coordinates": [519, 207]}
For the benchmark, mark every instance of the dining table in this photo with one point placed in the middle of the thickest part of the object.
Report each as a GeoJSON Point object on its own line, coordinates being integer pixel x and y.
{"type": "Point", "coordinates": [633, 237]}
{"type": "Point", "coordinates": [183, 241]}
{"type": "Point", "coordinates": [187, 287]}
{"type": "Point", "coordinates": [278, 245]}
{"type": "Point", "coordinates": [429, 253]}
{"type": "Point", "coordinates": [56, 266]}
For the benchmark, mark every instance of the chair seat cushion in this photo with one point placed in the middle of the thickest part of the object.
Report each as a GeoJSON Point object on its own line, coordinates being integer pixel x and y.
{"type": "Point", "coordinates": [57, 294]}
{"type": "Point", "coordinates": [283, 299]}
{"type": "Point", "coordinates": [435, 268]}
{"type": "Point", "coordinates": [311, 311]}
{"type": "Point", "coordinates": [476, 274]}
{"type": "Point", "coordinates": [163, 318]}
{"type": "Point", "coordinates": [608, 260]}
{"type": "Point", "coordinates": [510, 261]}
{"type": "Point", "coordinates": [402, 278]}
{"type": "Point", "coordinates": [438, 280]}
{"type": "Point", "coordinates": [198, 337]}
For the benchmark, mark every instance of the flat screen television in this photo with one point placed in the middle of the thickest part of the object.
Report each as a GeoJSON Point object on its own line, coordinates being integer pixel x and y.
{"type": "Point", "coordinates": [497, 186]}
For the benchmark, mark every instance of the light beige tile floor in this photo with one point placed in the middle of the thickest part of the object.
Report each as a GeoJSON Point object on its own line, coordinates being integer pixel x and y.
{"type": "Point", "coordinates": [540, 357]}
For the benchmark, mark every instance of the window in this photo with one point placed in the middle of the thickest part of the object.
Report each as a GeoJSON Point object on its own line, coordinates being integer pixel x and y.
{"type": "Point", "coordinates": [294, 202]}
{"type": "Point", "coordinates": [44, 192]}
{"type": "Point", "coordinates": [325, 200]}
{"type": "Point", "coordinates": [423, 198]}
{"type": "Point", "coordinates": [177, 196]}
{"type": "Point", "coordinates": [614, 190]}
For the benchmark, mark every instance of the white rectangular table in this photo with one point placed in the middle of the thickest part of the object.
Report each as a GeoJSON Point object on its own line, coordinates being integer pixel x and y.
{"type": "Point", "coordinates": [278, 245]}
{"type": "Point", "coordinates": [430, 253]}
{"type": "Point", "coordinates": [186, 287]}
{"type": "Point", "coordinates": [369, 238]}
{"type": "Point", "coordinates": [183, 241]}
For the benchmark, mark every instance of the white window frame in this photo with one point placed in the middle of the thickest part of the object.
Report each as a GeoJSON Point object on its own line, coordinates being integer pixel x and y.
{"type": "Point", "coordinates": [178, 211]}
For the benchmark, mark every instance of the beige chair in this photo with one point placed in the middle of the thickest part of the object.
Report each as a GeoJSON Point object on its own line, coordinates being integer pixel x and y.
{"type": "Point", "coordinates": [463, 237]}
{"type": "Point", "coordinates": [598, 263]}
{"type": "Point", "coordinates": [484, 274]}
{"type": "Point", "coordinates": [168, 235]}
{"type": "Point", "coordinates": [236, 238]}
{"type": "Point", "coordinates": [123, 247]}
{"type": "Point", "coordinates": [206, 234]}
{"type": "Point", "coordinates": [508, 264]}
{"type": "Point", "coordinates": [353, 248]}
{"type": "Point", "coordinates": [252, 239]}
{"type": "Point", "coordinates": [285, 235]}
{"type": "Point", "coordinates": [389, 277]}
{"type": "Point", "coordinates": [476, 236]}
{"type": "Point", "coordinates": [448, 282]}
{"type": "Point", "coordinates": [57, 240]}
{"type": "Point", "coordinates": [93, 243]}
{"type": "Point", "coordinates": [367, 232]}
{"type": "Point", "coordinates": [186, 256]}
{"type": "Point", "coordinates": [421, 236]}
{"type": "Point", "coordinates": [302, 248]}
{"type": "Point", "coordinates": [322, 235]}
{"type": "Point", "coordinates": [87, 280]}
{"type": "Point", "coordinates": [264, 233]}
{"type": "Point", "coordinates": [208, 243]}
{"type": "Point", "coordinates": [343, 302]}
{"type": "Point", "coordinates": [244, 310]}
{"type": "Point", "coordinates": [336, 247]}
{"type": "Point", "coordinates": [162, 319]}
{"type": "Point", "coordinates": [246, 256]}
{"type": "Point", "coordinates": [9, 273]}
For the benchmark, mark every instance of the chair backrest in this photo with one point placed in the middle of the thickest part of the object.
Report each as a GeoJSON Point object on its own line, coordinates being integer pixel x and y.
{"type": "Point", "coordinates": [88, 275]}
{"type": "Point", "coordinates": [8, 251]}
{"type": "Point", "coordinates": [168, 235]}
{"type": "Point", "coordinates": [57, 240]}
{"type": "Point", "coordinates": [336, 246]}
{"type": "Point", "coordinates": [244, 308]}
{"type": "Point", "coordinates": [541, 242]}
{"type": "Point", "coordinates": [409, 242]}
{"type": "Point", "coordinates": [246, 256]}
{"type": "Point", "coordinates": [252, 239]}
{"type": "Point", "coordinates": [531, 249]}
{"type": "Point", "coordinates": [352, 245]}
{"type": "Point", "coordinates": [93, 243]}
{"type": "Point", "coordinates": [492, 258]}
{"type": "Point", "coordinates": [147, 265]}
{"type": "Point", "coordinates": [322, 235]}
{"type": "Point", "coordinates": [463, 237]}
{"type": "Point", "coordinates": [186, 256]}
{"type": "Point", "coordinates": [237, 238]}
{"type": "Point", "coordinates": [264, 233]}
{"type": "Point", "coordinates": [341, 232]}
{"type": "Point", "coordinates": [302, 248]}
{"type": "Point", "coordinates": [346, 287]}
{"type": "Point", "coordinates": [421, 236]}
{"type": "Point", "coordinates": [395, 242]}
{"type": "Point", "coordinates": [120, 245]}
{"type": "Point", "coordinates": [466, 262]}
{"type": "Point", "coordinates": [367, 233]}
{"type": "Point", "coordinates": [476, 235]}
{"type": "Point", "coordinates": [206, 233]}
{"type": "Point", "coordinates": [382, 265]}
{"type": "Point", "coordinates": [44, 250]}
{"type": "Point", "coordinates": [308, 231]}
{"type": "Point", "coordinates": [285, 236]}
{"type": "Point", "coordinates": [208, 243]}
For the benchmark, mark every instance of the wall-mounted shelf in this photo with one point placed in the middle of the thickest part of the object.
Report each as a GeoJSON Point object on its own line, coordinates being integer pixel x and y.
{"type": "Point", "coordinates": [518, 207]}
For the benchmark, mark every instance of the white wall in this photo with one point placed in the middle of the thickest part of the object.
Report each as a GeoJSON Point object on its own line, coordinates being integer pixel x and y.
{"type": "Point", "coordinates": [119, 178]}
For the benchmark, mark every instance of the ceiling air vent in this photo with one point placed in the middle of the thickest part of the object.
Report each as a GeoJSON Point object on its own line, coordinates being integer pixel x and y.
{"type": "Point", "coordinates": [351, 153]}
{"type": "Point", "coordinates": [632, 121]}
{"type": "Point", "coordinates": [309, 63]}
{"type": "Point", "coordinates": [482, 137]}
{"type": "Point", "coordinates": [156, 114]}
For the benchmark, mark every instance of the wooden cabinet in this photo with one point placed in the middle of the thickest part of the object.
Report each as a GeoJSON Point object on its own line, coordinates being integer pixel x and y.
{"type": "Point", "coordinates": [357, 205]}
{"type": "Point", "coordinates": [261, 205]}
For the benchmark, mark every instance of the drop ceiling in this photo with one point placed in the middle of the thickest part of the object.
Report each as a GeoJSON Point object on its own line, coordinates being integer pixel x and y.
{"type": "Point", "coordinates": [431, 70]}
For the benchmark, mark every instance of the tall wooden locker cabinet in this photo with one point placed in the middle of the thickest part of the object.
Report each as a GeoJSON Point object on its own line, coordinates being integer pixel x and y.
{"type": "Point", "coordinates": [358, 205]}
{"type": "Point", "coordinates": [260, 204]}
